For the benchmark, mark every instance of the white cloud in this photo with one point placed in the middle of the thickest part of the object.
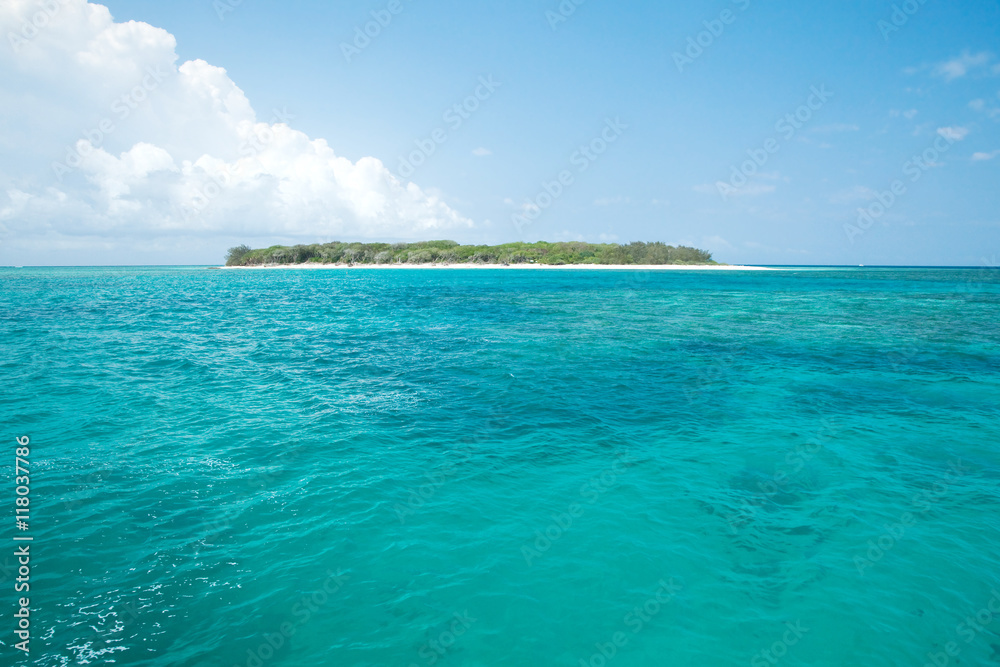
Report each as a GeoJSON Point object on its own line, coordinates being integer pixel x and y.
{"type": "Point", "coordinates": [115, 140]}
{"type": "Point", "coordinates": [982, 157]}
{"type": "Point", "coordinates": [567, 236]}
{"type": "Point", "coordinates": [957, 68]}
{"type": "Point", "coordinates": [750, 190]}
{"type": "Point", "coordinates": [716, 242]}
{"type": "Point", "coordinates": [856, 194]}
{"type": "Point", "coordinates": [980, 105]}
{"type": "Point", "coordinates": [482, 152]}
{"type": "Point", "coordinates": [953, 133]}
{"type": "Point", "coordinates": [836, 127]}
{"type": "Point", "coordinates": [611, 201]}
{"type": "Point", "coordinates": [747, 189]}
{"type": "Point", "coordinates": [753, 190]}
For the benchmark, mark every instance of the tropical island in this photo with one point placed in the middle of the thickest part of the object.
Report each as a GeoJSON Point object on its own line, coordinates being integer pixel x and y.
{"type": "Point", "coordinates": [451, 253]}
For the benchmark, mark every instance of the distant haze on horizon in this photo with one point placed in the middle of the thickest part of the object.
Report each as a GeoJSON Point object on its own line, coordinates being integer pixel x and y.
{"type": "Point", "coordinates": [139, 132]}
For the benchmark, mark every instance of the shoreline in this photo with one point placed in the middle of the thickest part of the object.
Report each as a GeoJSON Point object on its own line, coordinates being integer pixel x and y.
{"type": "Point", "coordinates": [499, 267]}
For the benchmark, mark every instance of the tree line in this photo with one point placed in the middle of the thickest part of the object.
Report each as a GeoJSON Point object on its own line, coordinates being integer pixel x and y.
{"type": "Point", "coordinates": [449, 252]}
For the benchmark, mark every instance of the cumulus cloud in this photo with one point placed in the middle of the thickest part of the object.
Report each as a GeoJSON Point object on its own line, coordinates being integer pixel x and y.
{"type": "Point", "coordinates": [110, 137]}
{"type": "Point", "coordinates": [982, 157]}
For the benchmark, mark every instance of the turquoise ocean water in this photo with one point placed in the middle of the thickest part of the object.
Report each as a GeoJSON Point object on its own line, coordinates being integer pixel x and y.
{"type": "Point", "coordinates": [505, 467]}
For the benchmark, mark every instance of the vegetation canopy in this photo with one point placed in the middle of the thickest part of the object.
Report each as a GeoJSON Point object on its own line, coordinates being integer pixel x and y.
{"type": "Point", "coordinates": [449, 252]}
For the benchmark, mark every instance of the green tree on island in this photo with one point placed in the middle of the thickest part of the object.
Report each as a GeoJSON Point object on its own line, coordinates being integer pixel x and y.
{"type": "Point", "coordinates": [449, 252]}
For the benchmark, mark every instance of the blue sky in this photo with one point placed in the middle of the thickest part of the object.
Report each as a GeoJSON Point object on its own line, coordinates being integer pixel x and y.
{"type": "Point", "coordinates": [873, 88]}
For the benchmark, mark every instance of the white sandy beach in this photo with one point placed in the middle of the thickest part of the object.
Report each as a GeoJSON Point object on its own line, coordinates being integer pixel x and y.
{"type": "Point", "coordinates": [500, 267]}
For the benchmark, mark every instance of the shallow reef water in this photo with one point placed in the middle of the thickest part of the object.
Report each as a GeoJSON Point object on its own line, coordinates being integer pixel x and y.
{"type": "Point", "coordinates": [505, 467]}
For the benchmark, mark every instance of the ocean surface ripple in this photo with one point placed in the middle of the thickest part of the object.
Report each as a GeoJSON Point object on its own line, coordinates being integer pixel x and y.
{"type": "Point", "coordinates": [416, 468]}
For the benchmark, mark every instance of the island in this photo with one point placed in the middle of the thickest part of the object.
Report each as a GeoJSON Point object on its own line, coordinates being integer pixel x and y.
{"type": "Point", "coordinates": [450, 253]}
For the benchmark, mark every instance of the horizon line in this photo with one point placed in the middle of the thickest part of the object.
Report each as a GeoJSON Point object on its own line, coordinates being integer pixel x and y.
{"type": "Point", "coordinates": [783, 266]}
